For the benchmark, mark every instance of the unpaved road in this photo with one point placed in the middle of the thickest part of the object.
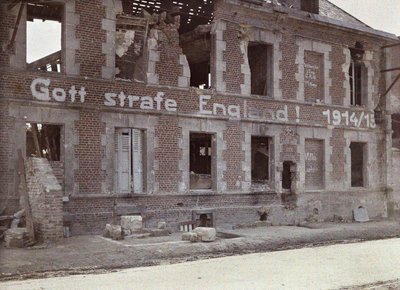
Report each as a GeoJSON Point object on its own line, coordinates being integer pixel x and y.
{"type": "Point", "coordinates": [329, 267]}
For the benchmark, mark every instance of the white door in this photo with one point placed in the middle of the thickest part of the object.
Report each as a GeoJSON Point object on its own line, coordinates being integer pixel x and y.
{"type": "Point", "coordinates": [137, 149]}
{"type": "Point", "coordinates": [123, 160]}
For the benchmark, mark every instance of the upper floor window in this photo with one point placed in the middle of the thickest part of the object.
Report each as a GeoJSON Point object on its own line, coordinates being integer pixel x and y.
{"type": "Point", "coordinates": [260, 56]}
{"type": "Point", "coordinates": [356, 77]}
{"type": "Point", "coordinates": [43, 36]}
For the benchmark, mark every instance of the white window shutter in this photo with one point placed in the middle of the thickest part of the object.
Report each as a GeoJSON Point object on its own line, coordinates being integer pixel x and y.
{"type": "Point", "coordinates": [137, 150]}
{"type": "Point", "coordinates": [123, 160]}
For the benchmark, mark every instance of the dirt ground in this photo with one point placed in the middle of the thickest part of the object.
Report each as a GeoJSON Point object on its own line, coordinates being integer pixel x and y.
{"type": "Point", "coordinates": [96, 254]}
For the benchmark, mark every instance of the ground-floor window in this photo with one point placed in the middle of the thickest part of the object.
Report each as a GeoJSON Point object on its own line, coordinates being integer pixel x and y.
{"type": "Point", "coordinates": [129, 160]}
{"type": "Point", "coordinates": [200, 161]}
{"type": "Point", "coordinates": [43, 140]}
{"type": "Point", "coordinates": [357, 152]}
{"type": "Point", "coordinates": [260, 161]}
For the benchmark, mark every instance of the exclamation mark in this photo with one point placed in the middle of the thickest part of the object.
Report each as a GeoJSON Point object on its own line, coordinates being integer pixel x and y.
{"type": "Point", "coordinates": [297, 114]}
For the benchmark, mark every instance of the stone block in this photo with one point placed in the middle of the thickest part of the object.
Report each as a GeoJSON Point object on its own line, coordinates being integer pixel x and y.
{"type": "Point", "coordinates": [159, 232]}
{"type": "Point", "coordinates": [361, 214]}
{"type": "Point", "coordinates": [131, 223]}
{"type": "Point", "coordinates": [205, 234]}
{"type": "Point", "coordinates": [114, 232]}
{"type": "Point", "coordinates": [162, 225]}
{"type": "Point", "coordinates": [190, 236]}
{"type": "Point", "coordinates": [16, 237]}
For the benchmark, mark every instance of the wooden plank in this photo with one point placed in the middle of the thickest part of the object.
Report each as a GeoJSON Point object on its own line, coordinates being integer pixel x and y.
{"type": "Point", "coordinates": [52, 59]}
{"type": "Point", "coordinates": [391, 69]}
{"type": "Point", "coordinates": [25, 196]}
{"type": "Point", "coordinates": [391, 86]}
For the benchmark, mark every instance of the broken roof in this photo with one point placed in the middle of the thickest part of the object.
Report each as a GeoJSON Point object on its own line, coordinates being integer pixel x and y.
{"type": "Point", "coordinates": [330, 10]}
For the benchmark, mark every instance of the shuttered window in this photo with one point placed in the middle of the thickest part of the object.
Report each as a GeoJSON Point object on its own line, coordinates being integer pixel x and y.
{"type": "Point", "coordinates": [129, 160]}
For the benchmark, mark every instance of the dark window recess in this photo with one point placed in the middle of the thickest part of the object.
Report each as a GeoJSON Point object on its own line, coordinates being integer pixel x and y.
{"type": "Point", "coordinates": [259, 159]}
{"type": "Point", "coordinates": [287, 175]}
{"type": "Point", "coordinates": [196, 45]}
{"type": "Point", "coordinates": [311, 6]}
{"type": "Point", "coordinates": [356, 75]}
{"type": "Point", "coordinates": [44, 18]}
{"type": "Point", "coordinates": [396, 130]}
{"type": "Point", "coordinates": [260, 62]}
{"type": "Point", "coordinates": [200, 161]}
{"type": "Point", "coordinates": [43, 141]}
{"type": "Point", "coordinates": [357, 164]}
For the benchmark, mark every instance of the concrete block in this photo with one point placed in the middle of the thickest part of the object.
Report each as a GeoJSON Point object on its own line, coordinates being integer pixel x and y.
{"type": "Point", "coordinates": [183, 82]}
{"type": "Point", "coordinates": [16, 237]}
{"type": "Point", "coordinates": [190, 236]}
{"type": "Point", "coordinates": [206, 234]}
{"type": "Point", "coordinates": [114, 232]}
{"type": "Point", "coordinates": [131, 223]}
{"type": "Point", "coordinates": [360, 214]}
{"type": "Point", "coordinates": [154, 55]}
{"type": "Point", "coordinates": [152, 78]}
{"type": "Point", "coordinates": [162, 225]}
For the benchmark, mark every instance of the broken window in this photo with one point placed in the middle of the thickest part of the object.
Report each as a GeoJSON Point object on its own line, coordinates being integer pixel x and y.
{"type": "Point", "coordinates": [43, 141]}
{"type": "Point", "coordinates": [200, 161]}
{"type": "Point", "coordinates": [356, 75]}
{"type": "Point", "coordinates": [260, 56]}
{"type": "Point", "coordinates": [311, 6]}
{"type": "Point", "coordinates": [288, 175]}
{"type": "Point", "coordinates": [357, 164]}
{"type": "Point", "coordinates": [396, 130]}
{"type": "Point", "coordinates": [129, 160]}
{"type": "Point", "coordinates": [196, 45]}
{"type": "Point", "coordinates": [44, 21]}
{"type": "Point", "coordinates": [131, 35]}
{"type": "Point", "coordinates": [259, 159]}
{"type": "Point", "coordinates": [194, 30]}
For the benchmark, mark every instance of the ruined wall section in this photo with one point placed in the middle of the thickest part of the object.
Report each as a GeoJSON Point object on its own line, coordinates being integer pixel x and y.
{"type": "Point", "coordinates": [8, 196]}
{"type": "Point", "coordinates": [167, 65]}
{"type": "Point", "coordinates": [45, 197]}
{"type": "Point", "coordinates": [7, 22]}
{"type": "Point", "coordinates": [91, 36]}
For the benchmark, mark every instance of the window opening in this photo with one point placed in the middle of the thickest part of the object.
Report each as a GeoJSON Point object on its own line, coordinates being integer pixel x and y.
{"type": "Point", "coordinates": [259, 159]}
{"type": "Point", "coordinates": [311, 6]}
{"type": "Point", "coordinates": [43, 141]}
{"type": "Point", "coordinates": [357, 164]}
{"type": "Point", "coordinates": [260, 62]}
{"type": "Point", "coordinates": [194, 31]}
{"type": "Point", "coordinates": [129, 160]}
{"type": "Point", "coordinates": [396, 130]}
{"type": "Point", "coordinates": [287, 175]}
{"type": "Point", "coordinates": [356, 74]}
{"type": "Point", "coordinates": [130, 41]}
{"type": "Point", "coordinates": [44, 26]}
{"type": "Point", "coordinates": [200, 161]}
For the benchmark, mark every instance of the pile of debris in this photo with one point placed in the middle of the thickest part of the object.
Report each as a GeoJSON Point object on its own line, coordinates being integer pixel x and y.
{"type": "Point", "coordinates": [200, 234]}
{"type": "Point", "coordinates": [15, 236]}
{"type": "Point", "coordinates": [131, 226]}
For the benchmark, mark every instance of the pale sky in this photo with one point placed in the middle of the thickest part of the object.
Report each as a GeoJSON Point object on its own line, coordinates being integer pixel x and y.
{"type": "Point", "coordinates": [379, 14]}
{"type": "Point", "coordinates": [44, 37]}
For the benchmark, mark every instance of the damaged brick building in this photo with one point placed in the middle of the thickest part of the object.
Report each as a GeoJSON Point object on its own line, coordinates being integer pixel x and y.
{"type": "Point", "coordinates": [220, 112]}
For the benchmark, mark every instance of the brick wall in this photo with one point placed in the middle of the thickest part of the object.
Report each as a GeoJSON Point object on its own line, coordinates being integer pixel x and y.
{"type": "Point", "coordinates": [45, 197]}
{"type": "Point", "coordinates": [314, 163]}
{"type": "Point", "coordinates": [232, 20]}
{"type": "Point", "coordinates": [91, 37]}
